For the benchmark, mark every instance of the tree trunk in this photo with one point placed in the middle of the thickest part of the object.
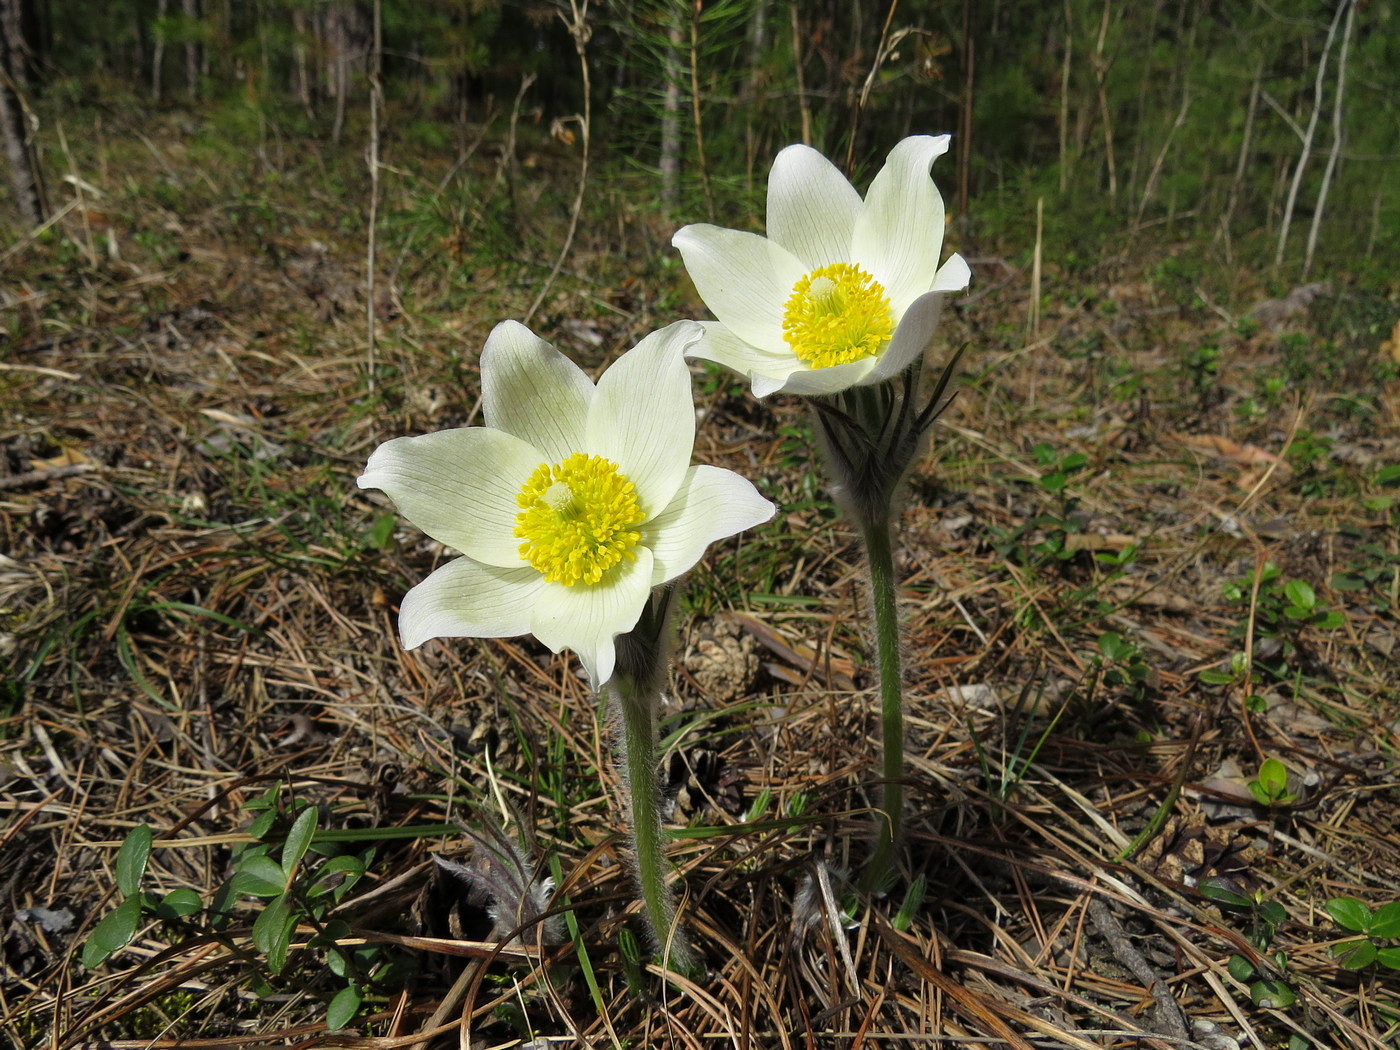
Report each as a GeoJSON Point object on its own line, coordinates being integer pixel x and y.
{"type": "Point", "coordinates": [1233, 200]}
{"type": "Point", "coordinates": [191, 12]}
{"type": "Point", "coordinates": [670, 162]}
{"type": "Point", "coordinates": [1307, 135]}
{"type": "Point", "coordinates": [158, 48]}
{"type": "Point", "coordinates": [1064, 98]}
{"type": "Point", "coordinates": [1101, 67]}
{"type": "Point", "coordinates": [24, 171]}
{"type": "Point", "coordinates": [1337, 137]}
{"type": "Point", "coordinates": [338, 38]}
{"type": "Point", "coordinates": [303, 79]}
{"type": "Point", "coordinates": [12, 26]}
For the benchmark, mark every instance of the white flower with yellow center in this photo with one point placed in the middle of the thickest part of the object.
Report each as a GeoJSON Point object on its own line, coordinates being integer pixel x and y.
{"type": "Point", "coordinates": [842, 292]}
{"type": "Point", "coordinates": [569, 505]}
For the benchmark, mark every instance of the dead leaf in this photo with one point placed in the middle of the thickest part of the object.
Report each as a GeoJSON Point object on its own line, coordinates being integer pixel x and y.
{"type": "Point", "coordinates": [69, 457]}
{"type": "Point", "coordinates": [1220, 445]}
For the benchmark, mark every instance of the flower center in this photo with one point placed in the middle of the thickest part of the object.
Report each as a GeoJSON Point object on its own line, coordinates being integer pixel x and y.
{"type": "Point", "coordinates": [837, 314]}
{"type": "Point", "coordinates": [577, 518]}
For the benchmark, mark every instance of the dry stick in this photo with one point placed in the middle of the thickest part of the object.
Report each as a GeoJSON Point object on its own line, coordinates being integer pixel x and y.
{"type": "Point", "coordinates": [438, 1023]}
{"type": "Point", "coordinates": [371, 248]}
{"type": "Point", "coordinates": [78, 184]}
{"type": "Point", "coordinates": [44, 476]}
{"type": "Point", "coordinates": [1033, 315]}
{"type": "Point", "coordinates": [1234, 198]}
{"type": "Point", "coordinates": [882, 51]}
{"type": "Point", "coordinates": [578, 29]}
{"type": "Point", "coordinates": [1064, 98]}
{"type": "Point", "coordinates": [1169, 1010]}
{"type": "Point", "coordinates": [1307, 136]}
{"type": "Point", "coordinates": [1156, 173]}
{"type": "Point", "coordinates": [1101, 74]}
{"type": "Point", "coordinates": [1336, 150]}
{"type": "Point", "coordinates": [965, 115]}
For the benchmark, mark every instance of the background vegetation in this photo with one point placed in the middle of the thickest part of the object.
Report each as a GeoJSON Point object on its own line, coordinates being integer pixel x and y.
{"type": "Point", "coordinates": [1151, 567]}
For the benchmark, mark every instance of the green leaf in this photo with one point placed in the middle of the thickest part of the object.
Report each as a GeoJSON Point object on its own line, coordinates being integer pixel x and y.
{"type": "Point", "coordinates": [272, 932]}
{"type": "Point", "coordinates": [260, 876]}
{"type": "Point", "coordinates": [1273, 777]}
{"type": "Point", "coordinates": [298, 839]}
{"type": "Point", "coordinates": [262, 824]}
{"type": "Point", "coordinates": [1385, 923]}
{"type": "Point", "coordinates": [1223, 891]}
{"type": "Point", "coordinates": [1300, 594]}
{"type": "Point", "coordinates": [913, 898]}
{"type": "Point", "coordinates": [343, 1008]}
{"type": "Point", "coordinates": [326, 877]}
{"type": "Point", "coordinates": [1349, 913]}
{"type": "Point", "coordinates": [1272, 995]}
{"type": "Point", "coordinates": [1389, 958]}
{"type": "Point", "coordinates": [267, 800]}
{"type": "Point", "coordinates": [113, 933]}
{"type": "Point", "coordinates": [1354, 955]}
{"type": "Point", "coordinates": [381, 533]}
{"type": "Point", "coordinates": [132, 857]}
{"type": "Point", "coordinates": [1241, 969]}
{"type": "Point", "coordinates": [177, 904]}
{"type": "Point", "coordinates": [1211, 677]}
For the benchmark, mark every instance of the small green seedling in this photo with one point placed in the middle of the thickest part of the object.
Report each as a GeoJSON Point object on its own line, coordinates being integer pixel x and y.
{"type": "Point", "coordinates": [1124, 663]}
{"type": "Point", "coordinates": [1270, 787]}
{"type": "Point", "coordinates": [1382, 924]}
{"type": "Point", "coordinates": [1303, 606]}
{"type": "Point", "coordinates": [118, 927]}
{"type": "Point", "coordinates": [1267, 988]}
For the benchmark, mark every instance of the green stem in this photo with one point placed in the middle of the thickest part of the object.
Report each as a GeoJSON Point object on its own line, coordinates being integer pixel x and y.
{"type": "Point", "coordinates": [875, 530]}
{"type": "Point", "coordinates": [638, 745]}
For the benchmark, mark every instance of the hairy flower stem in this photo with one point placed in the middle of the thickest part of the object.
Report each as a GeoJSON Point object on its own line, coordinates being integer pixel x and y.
{"type": "Point", "coordinates": [635, 689]}
{"type": "Point", "coordinates": [871, 436]}
{"type": "Point", "coordinates": [875, 531]}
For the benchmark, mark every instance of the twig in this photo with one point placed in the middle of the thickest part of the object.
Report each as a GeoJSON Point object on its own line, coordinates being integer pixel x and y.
{"type": "Point", "coordinates": [1168, 1009]}
{"type": "Point", "coordinates": [376, 92]}
{"type": "Point", "coordinates": [578, 29]}
{"type": "Point", "coordinates": [40, 477]}
{"type": "Point", "coordinates": [40, 369]}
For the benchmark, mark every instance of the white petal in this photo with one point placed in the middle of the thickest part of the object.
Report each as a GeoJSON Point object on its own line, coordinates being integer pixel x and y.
{"type": "Point", "coordinates": [643, 417]}
{"type": "Point", "coordinates": [911, 338]}
{"type": "Point", "coordinates": [531, 390]}
{"type": "Point", "coordinates": [814, 382]}
{"type": "Point", "coordinates": [458, 486]}
{"type": "Point", "coordinates": [812, 209]}
{"type": "Point", "coordinates": [953, 276]}
{"type": "Point", "coordinates": [587, 619]}
{"type": "Point", "coordinates": [465, 599]}
{"type": "Point", "coordinates": [762, 369]}
{"type": "Point", "coordinates": [712, 503]}
{"type": "Point", "coordinates": [899, 235]}
{"type": "Point", "coordinates": [745, 280]}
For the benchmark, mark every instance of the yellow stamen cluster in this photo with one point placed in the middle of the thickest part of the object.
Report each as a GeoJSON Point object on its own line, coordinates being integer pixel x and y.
{"type": "Point", "coordinates": [576, 518]}
{"type": "Point", "coordinates": [837, 314]}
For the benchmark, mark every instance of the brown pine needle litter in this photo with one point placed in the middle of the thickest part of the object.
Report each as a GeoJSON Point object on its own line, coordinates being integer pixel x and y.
{"type": "Point", "coordinates": [1118, 603]}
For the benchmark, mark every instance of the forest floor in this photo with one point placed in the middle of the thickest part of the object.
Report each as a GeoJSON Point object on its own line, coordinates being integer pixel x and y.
{"type": "Point", "coordinates": [1151, 586]}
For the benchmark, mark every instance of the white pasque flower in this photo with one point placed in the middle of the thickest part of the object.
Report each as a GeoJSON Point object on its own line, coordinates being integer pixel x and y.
{"type": "Point", "coordinates": [842, 292]}
{"type": "Point", "coordinates": [569, 505]}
